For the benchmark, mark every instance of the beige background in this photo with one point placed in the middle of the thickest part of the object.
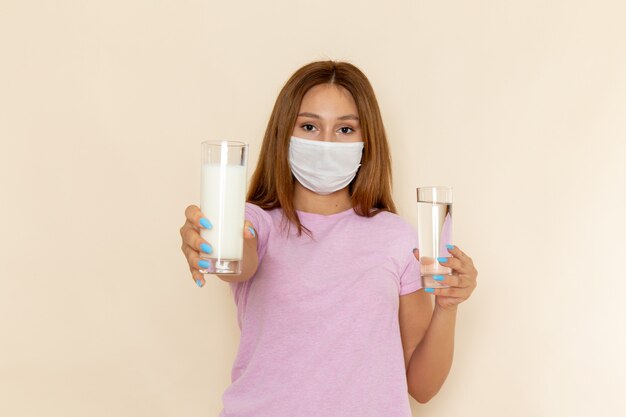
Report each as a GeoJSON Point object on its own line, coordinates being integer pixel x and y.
{"type": "Point", "coordinates": [518, 105]}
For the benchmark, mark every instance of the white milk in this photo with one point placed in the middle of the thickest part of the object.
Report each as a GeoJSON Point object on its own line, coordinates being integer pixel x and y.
{"type": "Point", "coordinates": [223, 197]}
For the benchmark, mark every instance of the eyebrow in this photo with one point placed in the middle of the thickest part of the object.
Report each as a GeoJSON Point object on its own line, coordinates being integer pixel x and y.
{"type": "Point", "coordinates": [315, 116]}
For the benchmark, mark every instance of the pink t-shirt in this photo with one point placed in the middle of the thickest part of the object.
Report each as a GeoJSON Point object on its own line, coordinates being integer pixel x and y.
{"type": "Point", "coordinates": [319, 320]}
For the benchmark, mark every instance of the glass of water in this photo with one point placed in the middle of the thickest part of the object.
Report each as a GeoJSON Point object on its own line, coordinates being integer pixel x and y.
{"type": "Point", "coordinates": [434, 232]}
{"type": "Point", "coordinates": [222, 201]}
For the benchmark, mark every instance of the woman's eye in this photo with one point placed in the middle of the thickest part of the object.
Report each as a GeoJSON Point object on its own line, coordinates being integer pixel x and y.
{"type": "Point", "coordinates": [343, 131]}
{"type": "Point", "coordinates": [306, 127]}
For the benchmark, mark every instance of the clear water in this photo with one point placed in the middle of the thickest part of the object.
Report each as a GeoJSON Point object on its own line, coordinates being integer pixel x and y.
{"type": "Point", "coordinates": [434, 229]}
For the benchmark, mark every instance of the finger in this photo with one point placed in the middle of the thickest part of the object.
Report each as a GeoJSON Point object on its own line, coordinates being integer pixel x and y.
{"type": "Point", "coordinates": [248, 230]}
{"type": "Point", "coordinates": [187, 225]}
{"type": "Point", "coordinates": [192, 238]}
{"type": "Point", "coordinates": [458, 253]}
{"type": "Point", "coordinates": [195, 217]}
{"type": "Point", "coordinates": [449, 292]}
{"type": "Point", "coordinates": [194, 260]}
{"type": "Point", "coordinates": [453, 280]}
{"type": "Point", "coordinates": [468, 281]}
{"type": "Point", "coordinates": [197, 277]}
{"type": "Point", "coordinates": [191, 256]}
{"type": "Point", "coordinates": [454, 263]}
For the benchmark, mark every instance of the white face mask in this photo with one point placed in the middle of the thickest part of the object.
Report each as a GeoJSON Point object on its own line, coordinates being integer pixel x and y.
{"type": "Point", "coordinates": [324, 167]}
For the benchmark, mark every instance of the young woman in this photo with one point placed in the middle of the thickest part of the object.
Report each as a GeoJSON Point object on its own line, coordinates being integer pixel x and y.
{"type": "Point", "coordinates": [332, 320]}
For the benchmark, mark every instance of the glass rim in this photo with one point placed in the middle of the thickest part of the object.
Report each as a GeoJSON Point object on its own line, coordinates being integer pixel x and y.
{"type": "Point", "coordinates": [229, 143]}
{"type": "Point", "coordinates": [430, 187]}
{"type": "Point", "coordinates": [434, 194]}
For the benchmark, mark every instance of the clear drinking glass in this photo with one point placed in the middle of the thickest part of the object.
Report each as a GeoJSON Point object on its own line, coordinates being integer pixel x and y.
{"type": "Point", "coordinates": [434, 232]}
{"type": "Point", "coordinates": [222, 201]}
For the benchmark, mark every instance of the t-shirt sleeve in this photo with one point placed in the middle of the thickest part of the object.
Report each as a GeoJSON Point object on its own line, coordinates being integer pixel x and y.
{"type": "Point", "coordinates": [410, 279]}
{"type": "Point", "coordinates": [262, 223]}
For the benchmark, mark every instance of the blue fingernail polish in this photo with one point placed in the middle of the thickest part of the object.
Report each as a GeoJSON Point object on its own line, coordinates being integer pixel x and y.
{"type": "Point", "coordinates": [449, 246]}
{"type": "Point", "coordinates": [252, 231]}
{"type": "Point", "coordinates": [429, 290]}
{"type": "Point", "coordinates": [199, 283]}
{"type": "Point", "coordinates": [442, 259]}
{"type": "Point", "coordinates": [206, 248]}
{"type": "Point", "coordinates": [204, 264]}
{"type": "Point", "coordinates": [206, 223]}
{"type": "Point", "coordinates": [438, 277]}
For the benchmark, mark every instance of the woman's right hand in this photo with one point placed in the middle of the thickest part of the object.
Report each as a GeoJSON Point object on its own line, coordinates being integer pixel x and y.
{"type": "Point", "coordinates": [193, 243]}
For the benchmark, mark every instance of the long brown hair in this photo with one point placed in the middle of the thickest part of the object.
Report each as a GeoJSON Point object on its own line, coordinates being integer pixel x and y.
{"type": "Point", "coordinates": [272, 183]}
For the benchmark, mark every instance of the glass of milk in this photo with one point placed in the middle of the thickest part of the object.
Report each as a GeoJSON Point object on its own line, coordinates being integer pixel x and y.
{"type": "Point", "coordinates": [434, 231]}
{"type": "Point", "coordinates": [222, 201]}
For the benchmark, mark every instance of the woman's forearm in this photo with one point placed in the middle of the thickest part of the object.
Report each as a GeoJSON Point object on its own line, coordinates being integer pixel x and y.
{"type": "Point", "coordinates": [431, 360]}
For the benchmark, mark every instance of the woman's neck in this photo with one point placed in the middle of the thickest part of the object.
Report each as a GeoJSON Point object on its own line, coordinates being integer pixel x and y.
{"type": "Point", "coordinates": [310, 202]}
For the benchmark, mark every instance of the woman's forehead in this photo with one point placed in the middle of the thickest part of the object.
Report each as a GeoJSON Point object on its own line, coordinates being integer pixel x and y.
{"type": "Point", "coordinates": [328, 99]}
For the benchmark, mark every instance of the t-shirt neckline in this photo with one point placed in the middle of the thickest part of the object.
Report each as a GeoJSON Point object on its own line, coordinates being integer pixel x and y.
{"type": "Point", "coordinates": [306, 214]}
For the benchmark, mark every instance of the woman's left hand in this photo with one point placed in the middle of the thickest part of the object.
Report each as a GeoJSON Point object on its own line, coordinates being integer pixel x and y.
{"type": "Point", "coordinates": [462, 282]}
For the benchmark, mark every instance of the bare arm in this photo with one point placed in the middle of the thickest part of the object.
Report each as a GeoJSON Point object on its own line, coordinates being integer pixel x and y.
{"type": "Point", "coordinates": [431, 360]}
